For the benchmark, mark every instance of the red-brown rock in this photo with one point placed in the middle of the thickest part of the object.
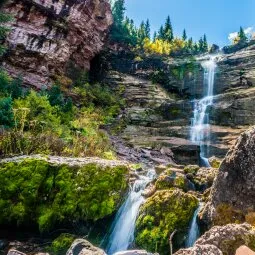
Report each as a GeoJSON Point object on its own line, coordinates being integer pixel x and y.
{"type": "Point", "coordinates": [47, 35]}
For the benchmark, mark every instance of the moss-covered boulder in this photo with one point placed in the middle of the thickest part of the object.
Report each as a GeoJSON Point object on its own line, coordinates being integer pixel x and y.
{"type": "Point", "coordinates": [172, 180]}
{"type": "Point", "coordinates": [37, 192]}
{"type": "Point", "coordinates": [160, 215]}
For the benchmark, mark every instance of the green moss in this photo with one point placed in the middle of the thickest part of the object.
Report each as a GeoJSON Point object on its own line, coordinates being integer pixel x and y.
{"type": "Point", "coordinates": [191, 169]}
{"type": "Point", "coordinates": [61, 244]}
{"type": "Point", "coordinates": [34, 191]}
{"type": "Point", "coordinates": [162, 213]}
{"type": "Point", "coordinates": [166, 182]}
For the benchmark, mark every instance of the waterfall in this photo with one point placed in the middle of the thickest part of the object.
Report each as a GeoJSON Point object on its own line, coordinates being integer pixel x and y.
{"type": "Point", "coordinates": [123, 228]}
{"type": "Point", "coordinates": [194, 231]}
{"type": "Point", "coordinates": [200, 128]}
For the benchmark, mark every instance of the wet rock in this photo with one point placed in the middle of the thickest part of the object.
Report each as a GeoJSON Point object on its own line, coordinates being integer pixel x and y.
{"type": "Point", "coordinates": [238, 172]}
{"type": "Point", "coordinates": [160, 215]}
{"type": "Point", "coordinates": [83, 247]}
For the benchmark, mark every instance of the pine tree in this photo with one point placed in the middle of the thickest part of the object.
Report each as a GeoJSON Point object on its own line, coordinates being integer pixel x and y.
{"type": "Point", "coordinates": [190, 44]}
{"type": "Point", "coordinates": [118, 11]}
{"type": "Point", "coordinates": [155, 36]}
{"type": "Point", "coordinates": [141, 33]}
{"type": "Point", "coordinates": [242, 35]}
{"type": "Point", "coordinates": [168, 30]}
{"type": "Point", "coordinates": [161, 34]}
{"type": "Point", "coordinates": [147, 29]}
{"type": "Point", "coordinates": [4, 18]}
{"type": "Point", "coordinates": [201, 45]}
{"type": "Point", "coordinates": [205, 44]}
{"type": "Point", "coordinates": [184, 35]}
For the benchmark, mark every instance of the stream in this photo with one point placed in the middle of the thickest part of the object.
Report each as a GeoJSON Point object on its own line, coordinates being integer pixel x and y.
{"type": "Point", "coordinates": [123, 227]}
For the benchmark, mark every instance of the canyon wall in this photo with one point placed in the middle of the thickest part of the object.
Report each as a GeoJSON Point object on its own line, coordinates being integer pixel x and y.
{"type": "Point", "coordinates": [153, 125]}
{"type": "Point", "coordinates": [48, 35]}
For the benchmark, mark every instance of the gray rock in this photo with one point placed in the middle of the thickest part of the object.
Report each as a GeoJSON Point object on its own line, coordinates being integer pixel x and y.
{"type": "Point", "coordinates": [234, 184]}
{"type": "Point", "coordinates": [134, 252]}
{"type": "Point", "coordinates": [83, 247]}
{"type": "Point", "coordinates": [15, 252]}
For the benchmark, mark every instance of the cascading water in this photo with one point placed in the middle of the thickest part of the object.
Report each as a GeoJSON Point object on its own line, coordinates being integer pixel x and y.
{"type": "Point", "coordinates": [122, 231]}
{"type": "Point", "coordinates": [200, 129]}
{"type": "Point", "coordinates": [194, 231]}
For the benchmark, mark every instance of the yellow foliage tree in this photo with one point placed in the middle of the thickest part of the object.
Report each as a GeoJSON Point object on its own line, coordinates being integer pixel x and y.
{"type": "Point", "coordinates": [162, 47]}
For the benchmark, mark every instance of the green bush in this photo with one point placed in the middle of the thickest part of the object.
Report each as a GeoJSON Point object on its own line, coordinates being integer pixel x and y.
{"type": "Point", "coordinates": [6, 112]}
{"type": "Point", "coordinates": [34, 191]}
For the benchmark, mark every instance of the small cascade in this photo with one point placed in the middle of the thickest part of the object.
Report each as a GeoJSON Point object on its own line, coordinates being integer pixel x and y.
{"type": "Point", "coordinates": [200, 128]}
{"type": "Point", "coordinates": [194, 231]}
{"type": "Point", "coordinates": [123, 228]}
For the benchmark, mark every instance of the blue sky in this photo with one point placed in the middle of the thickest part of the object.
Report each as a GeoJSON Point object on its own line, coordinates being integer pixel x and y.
{"type": "Point", "coordinates": [216, 18]}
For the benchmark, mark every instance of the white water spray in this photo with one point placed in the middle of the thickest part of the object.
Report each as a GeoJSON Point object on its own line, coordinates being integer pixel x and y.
{"type": "Point", "coordinates": [123, 228]}
{"type": "Point", "coordinates": [200, 129]}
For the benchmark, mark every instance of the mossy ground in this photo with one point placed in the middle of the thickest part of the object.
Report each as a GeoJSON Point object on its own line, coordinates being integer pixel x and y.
{"type": "Point", "coordinates": [36, 192]}
{"type": "Point", "coordinates": [162, 213]}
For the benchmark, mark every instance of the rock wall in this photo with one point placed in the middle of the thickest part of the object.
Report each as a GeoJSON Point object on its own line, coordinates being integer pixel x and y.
{"type": "Point", "coordinates": [46, 35]}
{"type": "Point", "coordinates": [233, 193]}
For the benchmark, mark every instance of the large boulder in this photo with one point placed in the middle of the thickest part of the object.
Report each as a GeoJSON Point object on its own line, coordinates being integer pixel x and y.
{"type": "Point", "coordinates": [83, 247]}
{"type": "Point", "coordinates": [233, 193]}
{"type": "Point", "coordinates": [160, 215]}
{"type": "Point", "coordinates": [223, 240]}
{"type": "Point", "coordinates": [59, 190]}
{"type": "Point", "coordinates": [47, 35]}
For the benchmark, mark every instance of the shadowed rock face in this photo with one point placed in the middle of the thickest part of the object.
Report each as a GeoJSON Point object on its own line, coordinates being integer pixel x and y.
{"type": "Point", "coordinates": [234, 185]}
{"type": "Point", "coordinates": [47, 34]}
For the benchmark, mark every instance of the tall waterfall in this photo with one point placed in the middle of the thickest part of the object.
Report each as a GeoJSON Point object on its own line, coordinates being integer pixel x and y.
{"type": "Point", "coordinates": [122, 230]}
{"type": "Point", "coordinates": [200, 129]}
{"type": "Point", "coordinates": [194, 231]}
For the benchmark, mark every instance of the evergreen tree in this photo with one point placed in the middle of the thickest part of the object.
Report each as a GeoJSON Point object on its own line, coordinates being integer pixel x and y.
{"type": "Point", "coordinates": [242, 35]}
{"type": "Point", "coordinates": [201, 45]}
{"type": "Point", "coordinates": [147, 29]}
{"type": "Point", "coordinates": [190, 44]}
{"type": "Point", "coordinates": [161, 34]}
{"type": "Point", "coordinates": [141, 33]}
{"type": "Point", "coordinates": [118, 11]}
{"type": "Point", "coordinates": [205, 44]}
{"type": "Point", "coordinates": [184, 35]}
{"type": "Point", "coordinates": [196, 48]}
{"type": "Point", "coordinates": [4, 18]}
{"type": "Point", "coordinates": [168, 30]}
{"type": "Point", "coordinates": [155, 36]}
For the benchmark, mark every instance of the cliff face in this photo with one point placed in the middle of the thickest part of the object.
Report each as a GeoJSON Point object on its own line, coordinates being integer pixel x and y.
{"type": "Point", "coordinates": [167, 124]}
{"type": "Point", "coordinates": [48, 34]}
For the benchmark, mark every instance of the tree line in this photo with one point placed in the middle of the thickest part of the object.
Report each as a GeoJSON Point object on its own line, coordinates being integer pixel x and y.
{"type": "Point", "coordinates": [125, 31]}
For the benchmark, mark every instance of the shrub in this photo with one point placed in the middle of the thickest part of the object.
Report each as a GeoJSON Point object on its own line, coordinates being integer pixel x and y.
{"type": "Point", "coordinates": [6, 112]}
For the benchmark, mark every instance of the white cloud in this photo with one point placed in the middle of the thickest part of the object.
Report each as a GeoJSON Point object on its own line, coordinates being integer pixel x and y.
{"type": "Point", "coordinates": [248, 31]}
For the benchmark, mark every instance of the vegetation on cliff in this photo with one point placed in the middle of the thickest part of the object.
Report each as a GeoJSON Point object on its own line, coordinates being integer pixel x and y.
{"type": "Point", "coordinates": [48, 122]}
{"type": "Point", "coordinates": [164, 212]}
{"type": "Point", "coordinates": [46, 195]}
{"type": "Point", "coordinates": [4, 18]}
